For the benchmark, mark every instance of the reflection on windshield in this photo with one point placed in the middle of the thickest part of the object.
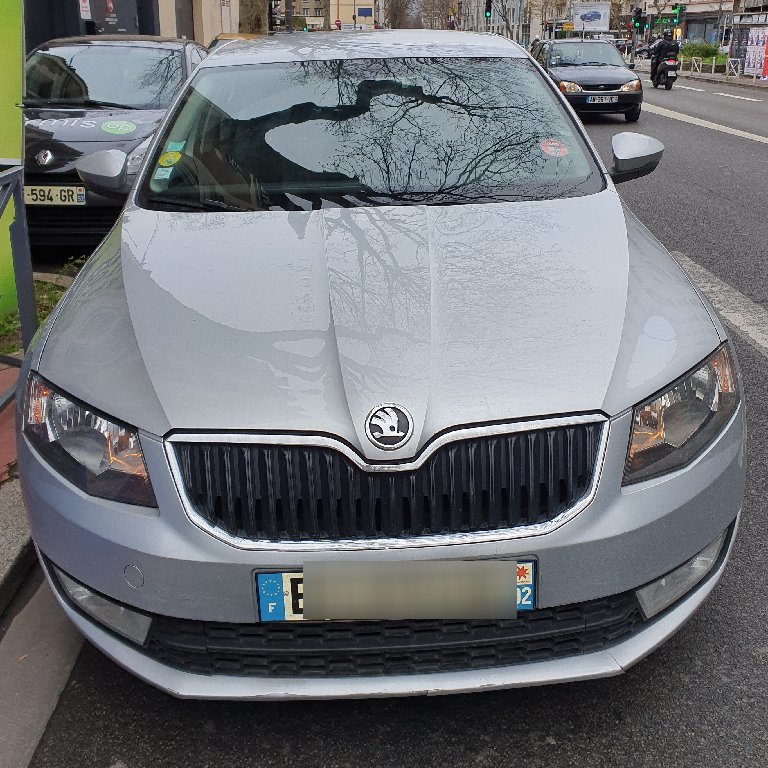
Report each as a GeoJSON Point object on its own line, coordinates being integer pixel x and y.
{"type": "Point", "coordinates": [89, 75]}
{"type": "Point", "coordinates": [585, 54]}
{"type": "Point", "coordinates": [369, 132]}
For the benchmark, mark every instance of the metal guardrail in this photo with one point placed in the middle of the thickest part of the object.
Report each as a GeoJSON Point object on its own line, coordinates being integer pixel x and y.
{"type": "Point", "coordinates": [11, 181]}
{"type": "Point", "coordinates": [695, 64]}
{"type": "Point", "coordinates": [732, 68]}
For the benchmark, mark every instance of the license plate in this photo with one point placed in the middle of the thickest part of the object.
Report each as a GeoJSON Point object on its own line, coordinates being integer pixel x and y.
{"type": "Point", "coordinates": [459, 589]}
{"type": "Point", "coordinates": [671, 74]}
{"type": "Point", "coordinates": [54, 195]}
{"type": "Point", "coordinates": [602, 99]}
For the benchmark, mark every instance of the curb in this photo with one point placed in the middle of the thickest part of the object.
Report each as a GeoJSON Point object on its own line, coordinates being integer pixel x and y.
{"type": "Point", "coordinates": [17, 555]}
{"type": "Point", "coordinates": [730, 81]}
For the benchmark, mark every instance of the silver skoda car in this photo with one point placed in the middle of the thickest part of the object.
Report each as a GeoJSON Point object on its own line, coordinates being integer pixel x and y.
{"type": "Point", "coordinates": [377, 388]}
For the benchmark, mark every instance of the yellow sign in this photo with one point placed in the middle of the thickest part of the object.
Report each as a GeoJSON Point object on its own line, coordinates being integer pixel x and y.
{"type": "Point", "coordinates": [167, 159]}
{"type": "Point", "coordinates": [567, 26]}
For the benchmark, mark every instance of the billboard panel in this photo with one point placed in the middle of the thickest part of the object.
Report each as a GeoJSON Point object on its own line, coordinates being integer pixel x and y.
{"type": "Point", "coordinates": [11, 133]}
{"type": "Point", "coordinates": [591, 17]}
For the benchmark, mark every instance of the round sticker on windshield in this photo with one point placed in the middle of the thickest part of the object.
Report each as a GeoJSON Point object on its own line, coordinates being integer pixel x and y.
{"type": "Point", "coordinates": [167, 159]}
{"type": "Point", "coordinates": [553, 148]}
{"type": "Point", "coordinates": [118, 127]}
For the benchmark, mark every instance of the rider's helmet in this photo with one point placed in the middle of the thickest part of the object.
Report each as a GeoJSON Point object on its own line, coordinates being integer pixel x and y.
{"type": "Point", "coordinates": [667, 34]}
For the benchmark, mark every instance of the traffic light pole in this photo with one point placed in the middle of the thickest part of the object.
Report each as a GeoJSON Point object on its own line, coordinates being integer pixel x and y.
{"type": "Point", "coordinates": [634, 45]}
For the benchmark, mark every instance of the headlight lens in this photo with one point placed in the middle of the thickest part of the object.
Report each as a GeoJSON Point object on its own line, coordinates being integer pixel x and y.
{"type": "Point", "coordinates": [136, 158]}
{"type": "Point", "coordinates": [98, 455]}
{"type": "Point", "coordinates": [672, 429]}
{"type": "Point", "coordinates": [633, 85]}
{"type": "Point", "coordinates": [568, 87]}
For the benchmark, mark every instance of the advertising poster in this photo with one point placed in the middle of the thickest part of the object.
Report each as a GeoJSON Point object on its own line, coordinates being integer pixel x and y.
{"type": "Point", "coordinates": [11, 141]}
{"type": "Point", "coordinates": [754, 61]}
{"type": "Point", "coordinates": [591, 17]}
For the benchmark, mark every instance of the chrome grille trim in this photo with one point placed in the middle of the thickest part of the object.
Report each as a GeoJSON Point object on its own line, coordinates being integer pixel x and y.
{"type": "Point", "coordinates": [434, 540]}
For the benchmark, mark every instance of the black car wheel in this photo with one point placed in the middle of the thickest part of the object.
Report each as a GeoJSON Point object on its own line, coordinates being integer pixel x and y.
{"type": "Point", "coordinates": [634, 114]}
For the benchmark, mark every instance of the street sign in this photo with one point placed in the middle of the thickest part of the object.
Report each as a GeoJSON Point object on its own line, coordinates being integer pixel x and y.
{"type": "Point", "coordinates": [567, 26]}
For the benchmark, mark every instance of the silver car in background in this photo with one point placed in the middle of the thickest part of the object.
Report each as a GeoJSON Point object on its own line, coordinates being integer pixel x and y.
{"type": "Point", "coordinates": [377, 388]}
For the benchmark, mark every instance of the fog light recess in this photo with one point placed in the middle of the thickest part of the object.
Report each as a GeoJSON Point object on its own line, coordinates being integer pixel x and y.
{"type": "Point", "coordinates": [660, 594]}
{"type": "Point", "coordinates": [131, 624]}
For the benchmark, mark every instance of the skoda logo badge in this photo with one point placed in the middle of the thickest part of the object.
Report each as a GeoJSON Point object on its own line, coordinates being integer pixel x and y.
{"type": "Point", "coordinates": [389, 426]}
{"type": "Point", "coordinates": [44, 157]}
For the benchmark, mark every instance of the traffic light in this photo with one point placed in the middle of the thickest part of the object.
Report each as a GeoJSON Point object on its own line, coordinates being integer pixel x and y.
{"type": "Point", "coordinates": [637, 16]}
{"type": "Point", "coordinates": [488, 9]}
{"type": "Point", "coordinates": [676, 14]}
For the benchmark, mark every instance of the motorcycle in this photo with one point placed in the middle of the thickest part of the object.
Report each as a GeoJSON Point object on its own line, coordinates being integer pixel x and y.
{"type": "Point", "coordinates": [666, 72]}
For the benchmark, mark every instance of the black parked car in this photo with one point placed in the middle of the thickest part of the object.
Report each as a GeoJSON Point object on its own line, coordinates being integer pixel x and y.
{"type": "Point", "coordinates": [85, 94]}
{"type": "Point", "coordinates": [593, 76]}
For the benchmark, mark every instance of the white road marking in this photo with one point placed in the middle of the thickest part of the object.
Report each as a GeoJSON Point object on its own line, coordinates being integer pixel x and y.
{"type": "Point", "coordinates": [732, 96]}
{"type": "Point", "coordinates": [745, 317]}
{"type": "Point", "coordinates": [703, 123]}
{"type": "Point", "coordinates": [688, 88]}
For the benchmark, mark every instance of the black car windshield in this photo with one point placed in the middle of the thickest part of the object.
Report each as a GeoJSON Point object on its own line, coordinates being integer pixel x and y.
{"type": "Point", "coordinates": [575, 54]}
{"type": "Point", "coordinates": [367, 132]}
{"type": "Point", "coordinates": [135, 77]}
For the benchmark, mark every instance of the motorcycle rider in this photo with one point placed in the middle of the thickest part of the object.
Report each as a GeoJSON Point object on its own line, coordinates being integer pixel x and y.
{"type": "Point", "coordinates": [664, 46]}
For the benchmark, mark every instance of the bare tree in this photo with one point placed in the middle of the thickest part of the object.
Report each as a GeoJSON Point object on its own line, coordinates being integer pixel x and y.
{"type": "Point", "coordinates": [253, 16]}
{"type": "Point", "coordinates": [398, 14]}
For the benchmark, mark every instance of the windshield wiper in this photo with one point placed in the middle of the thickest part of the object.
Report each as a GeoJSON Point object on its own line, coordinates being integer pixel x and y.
{"type": "Point", "coordinates": [53, 103]}
{"type": "Point", "coordinates": [194, 205]}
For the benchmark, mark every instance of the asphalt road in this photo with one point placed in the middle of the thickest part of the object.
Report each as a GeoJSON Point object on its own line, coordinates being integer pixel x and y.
{"type": "Point", "coordinates": [701, 700]}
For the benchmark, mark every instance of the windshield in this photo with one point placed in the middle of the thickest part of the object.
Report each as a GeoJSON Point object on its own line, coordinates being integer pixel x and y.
{"type": "Point", "coordinates": [585, 54]}
{"type": "Point", "coordinates": [366, 132]}
{"type": "Point", "coordinates": [126, 76]}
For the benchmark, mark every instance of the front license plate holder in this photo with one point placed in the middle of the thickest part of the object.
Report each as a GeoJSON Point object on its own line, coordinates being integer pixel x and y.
{"type": "Point", "coordinates": [37, 194]}
{"type": "Point", "coordinates": [602, 99]}
{"type": "Point", "coordinates": [280, 595]}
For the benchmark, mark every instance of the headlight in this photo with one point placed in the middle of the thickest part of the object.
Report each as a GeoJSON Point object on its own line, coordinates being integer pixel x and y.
{"type": "Point", "coordinates": [568, 87]}
{"type": "Point", "coordinates": [136, 158]}
{"type": "Point", "coordinates": [633, 85]}
{"type": "Point", "coordinates": [98, 455]}
{"type": "Point", "coordinates": [674, 427]}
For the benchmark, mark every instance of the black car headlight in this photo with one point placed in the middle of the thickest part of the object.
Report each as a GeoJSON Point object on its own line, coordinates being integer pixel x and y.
{"type": "Point", "coordinates": [671, 429]}
{"type": "Point", "coordinates": [97, 454]}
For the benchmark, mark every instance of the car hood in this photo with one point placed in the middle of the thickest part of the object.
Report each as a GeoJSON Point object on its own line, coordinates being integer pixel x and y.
{"type": "Point", "coordinates": [305, 321]}
{"type": "Point", "coordinates": [70, 133]}
{"type": "Point", "coordinates": [594, 75]}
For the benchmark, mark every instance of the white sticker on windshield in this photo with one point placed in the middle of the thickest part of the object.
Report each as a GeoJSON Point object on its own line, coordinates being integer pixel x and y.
{"type": "Point", "coordinates": [163, 173]}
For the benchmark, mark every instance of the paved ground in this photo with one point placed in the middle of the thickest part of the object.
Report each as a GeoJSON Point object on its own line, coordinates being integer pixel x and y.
{"type": "Point", "coordinates": [698, 701]}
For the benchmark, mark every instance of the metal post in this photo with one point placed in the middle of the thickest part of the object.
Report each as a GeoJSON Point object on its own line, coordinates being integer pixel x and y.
{"type": "Point", "coordinates": [10, 181]}
{"type": "Point", "coordinates": [289, 16]}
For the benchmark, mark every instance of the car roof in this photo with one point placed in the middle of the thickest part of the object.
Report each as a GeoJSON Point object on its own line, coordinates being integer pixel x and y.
{"type": "Point", "coordinates": [586, 40]}
{"type": "Point", "coordinates": [379, 44]}
{"type": "Point", "coordinates": [140, 40]}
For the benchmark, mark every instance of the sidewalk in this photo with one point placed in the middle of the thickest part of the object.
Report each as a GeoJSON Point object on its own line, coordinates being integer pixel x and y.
{"type": "Point", "coordinates": [16, 552]}
{"type": "Point", "coordinates": [644, 66]}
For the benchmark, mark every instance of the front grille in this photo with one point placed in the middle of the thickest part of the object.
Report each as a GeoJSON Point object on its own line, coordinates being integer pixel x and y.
{"type": "Point", "coordinates": [613, 87]}
{"type": "Point", "coordinates": [50, 224]}
{"type": "Point", "coordinates": [340, 649]}
{"type": "Point", "coordinates": [306, 493]}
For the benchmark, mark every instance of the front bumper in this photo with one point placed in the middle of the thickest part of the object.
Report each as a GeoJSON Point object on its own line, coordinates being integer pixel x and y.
{"type": "Point", "coordinates": [625, 538]}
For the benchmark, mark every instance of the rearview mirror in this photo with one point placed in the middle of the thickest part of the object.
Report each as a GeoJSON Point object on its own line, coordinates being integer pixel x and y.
{"type": "Point", "coordinates": [634, 155]}
{"type": "Point", "coordinates": [104, 172]}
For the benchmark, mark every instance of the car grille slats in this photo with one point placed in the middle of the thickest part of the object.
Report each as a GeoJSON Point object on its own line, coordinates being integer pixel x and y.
{"type": "Point", "coordinates": [309, 493]}
{"type": "Point", "coordinates": [354, 648]}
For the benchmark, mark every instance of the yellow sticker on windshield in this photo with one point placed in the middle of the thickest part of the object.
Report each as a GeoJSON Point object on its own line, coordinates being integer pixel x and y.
{"type": "Point", "coordinates": [167, 159]}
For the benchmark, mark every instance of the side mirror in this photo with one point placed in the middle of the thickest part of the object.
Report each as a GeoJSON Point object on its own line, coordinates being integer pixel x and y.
{"type": "Point", "coordinates": [104, 172]}
{"type": "Point", "coordinates": [634, 155]}
{"type": "Point", "coordinates": [631, 65]}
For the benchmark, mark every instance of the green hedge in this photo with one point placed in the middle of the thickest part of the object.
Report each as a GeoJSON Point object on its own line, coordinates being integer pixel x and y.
{"type": "Point", "coordinates": [700, 50]}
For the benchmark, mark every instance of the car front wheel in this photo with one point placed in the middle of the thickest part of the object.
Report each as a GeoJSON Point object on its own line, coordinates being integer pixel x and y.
{"type": "Point", "coordinates": [633, 115]}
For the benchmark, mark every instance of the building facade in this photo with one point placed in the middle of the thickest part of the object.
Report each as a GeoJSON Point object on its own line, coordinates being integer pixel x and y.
{"type": "Point", "coordinates": [200, 20]}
